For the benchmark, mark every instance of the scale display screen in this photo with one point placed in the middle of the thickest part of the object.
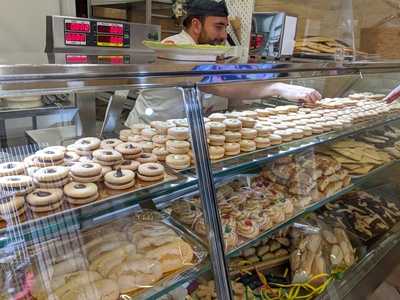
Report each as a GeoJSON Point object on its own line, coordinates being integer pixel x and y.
{"type": "Point", "coordinates": [72, 38]}
{"type": "Point", "coordinates": [94, 33]}
{"type": "Point", "coordinates": [111, 28]}
{"type": "Point", "coordinates": [77, 26]}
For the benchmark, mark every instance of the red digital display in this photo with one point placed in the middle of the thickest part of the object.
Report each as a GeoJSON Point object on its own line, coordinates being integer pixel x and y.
{"type": "Point", "coordinates": [110, 40]}
{"type": "Point", "coordinates": [110, 28]}
{"type": "Point", "coordinates": [72, 38]}
{"type": "Point", "coordinates": [80, 26]}
{"type": "Point", "coordinates": [115, 60]}
{"type": "Point", "coordinates": [77, 59]}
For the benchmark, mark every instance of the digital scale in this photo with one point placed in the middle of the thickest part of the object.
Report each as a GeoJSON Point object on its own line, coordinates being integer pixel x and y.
{"type": "Point", "coordinates": [72, 40]}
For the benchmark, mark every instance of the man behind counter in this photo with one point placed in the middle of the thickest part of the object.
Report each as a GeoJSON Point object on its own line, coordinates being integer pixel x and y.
{"type": "Point", "coordinates": [206, 23]}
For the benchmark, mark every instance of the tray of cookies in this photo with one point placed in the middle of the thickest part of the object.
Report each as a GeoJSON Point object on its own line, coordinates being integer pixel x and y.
{"type": "Point", "coordinates": [366, 214]}
{"type": "Point", "coordinates": [90, 171]}
{"type": "Point", "coordinates": [125, 259]}
{"type": "Point", "coordinates": [252, 204]}
{"type": "Point", "coordinates": [236, 133]}
{"type": "Point", "coordinates": [357, 157]}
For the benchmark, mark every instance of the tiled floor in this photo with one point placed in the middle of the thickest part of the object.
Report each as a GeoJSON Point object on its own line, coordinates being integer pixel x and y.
{"type": "Point", "coordinates": [389, 289]}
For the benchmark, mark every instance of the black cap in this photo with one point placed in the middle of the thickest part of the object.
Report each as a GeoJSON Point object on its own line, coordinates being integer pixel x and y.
{"type": "Point", "coordinates": [215, 8]}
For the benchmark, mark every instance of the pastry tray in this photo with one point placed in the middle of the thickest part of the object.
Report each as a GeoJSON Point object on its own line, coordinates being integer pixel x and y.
{"type": "Point", "coordinates": [168, 282]}
{"type": "Point", "coordinates": [107, 197]}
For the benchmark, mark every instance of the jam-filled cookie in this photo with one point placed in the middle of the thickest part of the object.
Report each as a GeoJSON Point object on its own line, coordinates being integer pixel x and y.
{"type": "Point", "coordinates": [12, 168]}
{"type": "Point", "coordinates": [132, 165]}
{"type": "Point", "coordinates": [11, 206]}
{"type": "Point", "coordinates": [86, 172]}
{"type": "Point", "coordinates": [151, 172]}
{"type": "Point", "coordinates": [129, 150]}
{"type": "Point", "coordinates": [18, 184]}
{"type": "Point", "coordinates": [119, 179]}
{"type": "Point", "coordinates": [107, 157]}
{"type": "Point", "coordinates": [78, 193]}
{"type": "Point", "coordinates": [44, 200]}
{"type": "Point", "coordinates": [51, 177]}
{"type": "Point", "coordinates": [110, 143]}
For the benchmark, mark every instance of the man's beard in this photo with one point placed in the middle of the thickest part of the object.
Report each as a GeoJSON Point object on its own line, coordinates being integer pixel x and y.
{"type": "Point", "coordinates": [205, 39]}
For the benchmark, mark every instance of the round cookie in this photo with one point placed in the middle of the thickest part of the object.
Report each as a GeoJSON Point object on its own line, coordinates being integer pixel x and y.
{"type": "Point", "coordinates": [137, 128]}
{"type": "Point", "coordinates": [161, 153]}
{"type": "Point", "coordinates": [51, 174]}
{"type": "Point", "coordinates": [247, 122]}
{"type": "Point", "coordinates": [57, 148]}
{"type": "Point", "coordinates": [18, 184]}
{"type": "Point", "coordinates": [11, 206]}
{"type": "Point", "coordinates": [286, 135]}
{"type": "Point", "coordinates": [12, 168]}
{"type": "Point", "coordinates": [129, 149]}
{"type": "Point", "coordinates": [162, 127]}
{"type": "Point", "coordinates": [160, 139]}
{"type": "Point", "coordinates": [179, 133]}
{"type": "Point", "coordinates": [151, 169]}
{"type": "Point", "coordinates": [88, 144]}
{"type": "Point", "coordinates": [216, 140]}
{"type": "Point", "coordinates": [249, 114]}
{"type": "Point", "coordinates": [264, 131]}
{"type": "Point", "coordinates": [178, 161]}
{"type": "Point", "coordinates": [232, 137]}
{"type": "Point", "coordinates": [44, 200]}
{"type": "Point", "coordinates": [148, 134]}
{"type": "Point", "coordinates": [50, 156]}
{"type": "Point", "coordinates": [132, 165]}
{"type": "Point", "coordinates": [180, 122]}
{"type": "Point", "coordinates": [178, 147]}
{"type": "Point", "coordinates": [247, 145]}
{"type": "Point", "coordinates": [70, 158]}
{"type": "Point", "coordinates": [150, 172]}
{"type": "Point", "coordinates": [147, 146]}
{"type": "Point", "coordinates": [217, 117]}
{"type": "Point", "coordinates": [124, 134]}
{"type": "Point", "coordinates": [86, 172]}
{"type": "Point", "coordinates": [119, 179]}
{"type": "Point", "coordinates": [216, 152]}
{"type": "Point", "coordinates": [216, 127]}
{"type": "Point", "coordinates": [233, 124]}
{"type": "Point", "coordinates": [232, 149]}
{"type": "Point", "coordinates": [262, 142]}
{"type": "Point", "coordinates": [248, 133]}
{"type": "Point", "coordinates": [107, 157]}
{"type": "Point", "coordinates": [275, 139]}
{"type": "Point", "coordinates": [146, 158]}
{"type": "Point", "coordinates": [110, 143]}
{"type": "Point", "coordinates": [80, 193]}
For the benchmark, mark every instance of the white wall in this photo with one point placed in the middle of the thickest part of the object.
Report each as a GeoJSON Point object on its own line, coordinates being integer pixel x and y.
{"type": "Point", "coordinates": [23, 23]}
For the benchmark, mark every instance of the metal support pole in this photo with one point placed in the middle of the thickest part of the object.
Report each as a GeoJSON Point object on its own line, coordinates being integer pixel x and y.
{"type": "Point", "coordinates": [148, 11]}
{"type": "Point", "coordinates": [86, 102]}
{"type": "Point", "coordinates": [207, 193]}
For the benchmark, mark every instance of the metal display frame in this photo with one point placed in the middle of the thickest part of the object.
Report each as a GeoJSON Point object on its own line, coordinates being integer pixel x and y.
{"type": "Point", "coordinates": [24, 79]}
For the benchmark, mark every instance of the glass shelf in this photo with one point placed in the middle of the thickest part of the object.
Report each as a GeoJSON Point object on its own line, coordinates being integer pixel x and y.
{"type": "Point", "coordinates": [96, 213]}
{"type": "Point", "coordinates": [244, 162]}
{"type": "Point", "coordinates": [311, 208]}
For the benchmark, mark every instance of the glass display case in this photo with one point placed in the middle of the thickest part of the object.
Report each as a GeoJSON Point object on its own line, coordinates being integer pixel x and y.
{"type": "Point", "coordinates": [191, 182]}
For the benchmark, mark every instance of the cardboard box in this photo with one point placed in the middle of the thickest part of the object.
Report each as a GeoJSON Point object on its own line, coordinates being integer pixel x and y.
{"type": "Point", "coordinates": [110, 13]}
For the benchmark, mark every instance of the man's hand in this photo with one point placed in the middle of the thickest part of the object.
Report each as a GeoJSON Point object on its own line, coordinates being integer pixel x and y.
{"type": "Point", "coordinates": [297, 93]}
{"type": "Point", "coordinates": [393, 95]}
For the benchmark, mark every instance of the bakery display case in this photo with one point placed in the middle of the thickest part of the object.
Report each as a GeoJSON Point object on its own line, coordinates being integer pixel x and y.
{"type": "Point", "coordinates": [197, 195]}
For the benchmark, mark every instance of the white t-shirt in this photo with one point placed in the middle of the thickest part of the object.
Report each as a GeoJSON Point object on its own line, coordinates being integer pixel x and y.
{"type": "Point", "coordinates": [166, 103]}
